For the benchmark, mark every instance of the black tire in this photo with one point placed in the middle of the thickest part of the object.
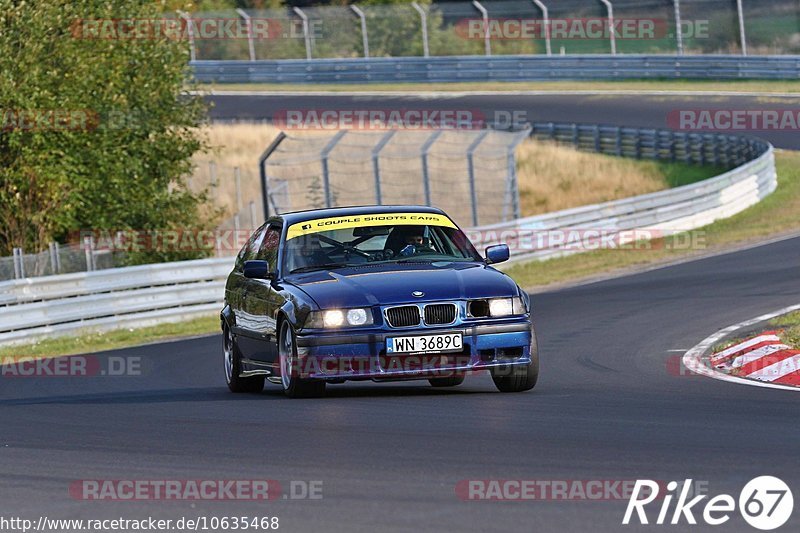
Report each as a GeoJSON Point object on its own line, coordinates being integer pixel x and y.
{"type": "Point", "coordinates": [233, 366]}
{"type": "Point", "coordinates": [293, 386]}
{"type": "Point", "coordinates": [518, 378]}
{"type": "Point", "coordinates": [449, 381]}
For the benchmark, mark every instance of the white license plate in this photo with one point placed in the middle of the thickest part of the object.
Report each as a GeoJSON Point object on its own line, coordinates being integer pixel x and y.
{"type": "Point", "coordinates": [447, 342]}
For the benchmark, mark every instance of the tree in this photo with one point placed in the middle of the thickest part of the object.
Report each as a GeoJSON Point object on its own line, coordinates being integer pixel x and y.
{"type": "Point", "coordinates": [98, 131]}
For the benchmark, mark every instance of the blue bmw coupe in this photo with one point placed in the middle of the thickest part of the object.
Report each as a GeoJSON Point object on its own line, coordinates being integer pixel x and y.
{"type": "Point", "coordinates": [377, 293]}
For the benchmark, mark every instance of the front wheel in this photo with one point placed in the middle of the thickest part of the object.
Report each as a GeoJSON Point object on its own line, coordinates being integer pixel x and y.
{"type": "Point", "coordinates": [293, 386]}
{"type": "Point", "coordinates": [518, 378]}
{"type": "Point", "coordinates": [233, 366]}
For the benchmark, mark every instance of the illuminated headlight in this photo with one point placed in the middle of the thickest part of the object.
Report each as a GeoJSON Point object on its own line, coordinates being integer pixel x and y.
{"type": "Point", "coordinates": [499, 307]}
{"type": "Point", "coordinates": [336, 318]}
{"type": "Point", "coordinates": [333, 318]}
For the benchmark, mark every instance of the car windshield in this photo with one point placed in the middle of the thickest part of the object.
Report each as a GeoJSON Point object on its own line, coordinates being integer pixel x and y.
{"type": "Point", "coordinates": [375, 239]}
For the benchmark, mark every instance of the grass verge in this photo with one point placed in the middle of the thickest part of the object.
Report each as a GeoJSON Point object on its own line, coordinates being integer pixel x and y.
{"type": "Point", "coordinates": [790, 323]}
{"type": "Point", "coordinates": [110, 340]}
{"type": "Point", "coordinates": [764, 86]}
{"type": "Point", "coordinates": [775, 215]}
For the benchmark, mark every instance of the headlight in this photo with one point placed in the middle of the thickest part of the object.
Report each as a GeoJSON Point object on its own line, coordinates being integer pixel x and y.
{"type": "Point", "coordinates": [333, 318]}
{"type": "Point", "coordinates": [501, 307]}
{"type": "Point", "coordinates": [336, 318]}
{"type": "Point", "coordinates": [497, 307]}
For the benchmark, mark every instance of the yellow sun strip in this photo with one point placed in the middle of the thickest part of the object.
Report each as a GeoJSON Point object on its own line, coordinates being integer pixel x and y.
{"type": "Point", "coordinates": [365, 221]}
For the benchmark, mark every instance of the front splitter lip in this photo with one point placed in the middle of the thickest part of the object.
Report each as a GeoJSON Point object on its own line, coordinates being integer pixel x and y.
{"type": "Point", "coordinates": [418, 373]}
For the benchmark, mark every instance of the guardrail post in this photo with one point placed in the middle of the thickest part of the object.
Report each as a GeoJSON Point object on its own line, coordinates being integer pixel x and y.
{"type": "Point", "coordinates": [546, 21]}
{"type": "Point", "coordinates": [742, 36]}
{"type": "Point", "coordinates": [471, 169]}
{"type": "Point", "coordinates": [364, 38]}
{"type": "Point", "coordinates": [326, 179]}
{"type": "Point", "coordinates": [678, 25]}
{"type": "Point", "coordinates": [618, 141]}
{"type": "Point", "coordinates": [426, 180]}
{"type": "Point", "coordinates": [487, 46]}
{"type": "Point", "coordinates": [424, 21]}
{"type": "Point", "coordinates": [612, 35]}
{"type": "Point", "coordinates": [376, 167]}
{"type": "Point", "coordinates": [306, 34]}
{"type": "Point", "coordinates": [262, 166]}
{"type": "Point", "coordinates": [190, 32]}
{"type": "Point", "coordinates": [249, 24]}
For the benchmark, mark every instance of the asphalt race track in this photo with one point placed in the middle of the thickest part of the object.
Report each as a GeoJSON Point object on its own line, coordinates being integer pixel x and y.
{"type": "Point", "coordinates": [649, 111]}
{"type": "Point", "coordinates": [608, 407]}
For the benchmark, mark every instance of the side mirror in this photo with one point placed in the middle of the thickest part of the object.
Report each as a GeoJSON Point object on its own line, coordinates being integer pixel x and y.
{"type": "Point", "coordinates": [257, 269]}
{"type": "Point", "coordinates": [497, 254]}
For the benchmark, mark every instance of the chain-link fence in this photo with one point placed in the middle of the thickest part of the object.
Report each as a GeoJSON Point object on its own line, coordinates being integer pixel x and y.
{"type": "Point", "coordinates": [471, 174]}
{"type": "Point", "coordinates": [59, 259]}
{"type": "Point", "coordinates": [503, 27]}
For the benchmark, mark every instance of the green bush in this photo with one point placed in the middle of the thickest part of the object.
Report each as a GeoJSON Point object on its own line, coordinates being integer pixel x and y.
{"type": "Point", "coordinates": [120, 163]}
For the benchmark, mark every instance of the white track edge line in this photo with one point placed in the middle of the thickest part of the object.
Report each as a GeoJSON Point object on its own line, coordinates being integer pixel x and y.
{"type": "Point", "coordinates": [693, 359]}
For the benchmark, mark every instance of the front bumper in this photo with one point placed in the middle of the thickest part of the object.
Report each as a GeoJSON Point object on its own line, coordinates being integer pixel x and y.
{"type": "Point", "coordinates": [353, 355]}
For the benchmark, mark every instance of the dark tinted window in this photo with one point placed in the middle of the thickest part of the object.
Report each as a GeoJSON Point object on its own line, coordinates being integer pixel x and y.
{"type": "Point", "coordinates": [269, 247]}
{"type": "Point", "coordinates": [250, 249]}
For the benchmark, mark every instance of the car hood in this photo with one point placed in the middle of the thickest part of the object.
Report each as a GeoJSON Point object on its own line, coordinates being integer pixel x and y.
{"type": "Point", "coordinates": [393, 284]}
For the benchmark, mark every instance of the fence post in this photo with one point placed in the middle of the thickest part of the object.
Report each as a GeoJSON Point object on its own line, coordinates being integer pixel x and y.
{"type": "Point", "coordinates": [190, 32]}
{"type": "Point", "coordinates": [306, 35]}
{"type": "Point", "coordinates": [376, 167]}
{"type": "Point", "coordinates": [487, 46]}
{"type": "Point", "coordinates": [237, 177]}
{"type": "Point", "coordinates": [742, 36]}
{"type": "Point", "coordinates": [19, 264]}
{"type": "Point", "coordinates": [88, 251]}
{"type": "Point", "coordinates": [612, 36]}
{"type": "Point", "coordinates": [471, 168]}
{"type": "Point", "coordinates": [513, 184]}
{"type": "Point", "coordinates": [58, 257]}
{"type": "Point", "coordinates": [262, 166]}
{"type": "Point", "coordinates": [326, 178]}
{"type": "Point", "coordinates": [364, 37]}
{"type": "Point", "coordinates": [253, 223]}
{"type": "Point", "coordinates": [426, 179]}
{"type": "Point", "coordinates": [546, 21]}
{"type": "Point", "coordinates": [424, 18]}
{"type": "Point", "coordinates": [678, 25]}
{"type": "Point", "coordinates": [249, 26]}
{"type": "Point", "coordinates": [53, 254]}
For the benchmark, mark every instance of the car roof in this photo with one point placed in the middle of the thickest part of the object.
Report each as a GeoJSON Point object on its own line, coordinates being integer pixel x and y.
{"type": "Point", "coordinates": [301, 216]}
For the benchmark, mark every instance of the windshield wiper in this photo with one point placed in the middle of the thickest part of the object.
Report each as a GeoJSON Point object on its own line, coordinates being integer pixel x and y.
{"type": "Point", "coordinates": [311, 268]}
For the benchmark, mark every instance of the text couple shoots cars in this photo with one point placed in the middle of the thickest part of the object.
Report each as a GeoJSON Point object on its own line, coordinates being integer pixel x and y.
{"type": "Point", "coordinates": [372, 293]}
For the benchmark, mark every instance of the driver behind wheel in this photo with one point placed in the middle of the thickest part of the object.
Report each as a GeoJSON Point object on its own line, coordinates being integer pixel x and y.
{"type": "Point", "coordinates": [408, 240]}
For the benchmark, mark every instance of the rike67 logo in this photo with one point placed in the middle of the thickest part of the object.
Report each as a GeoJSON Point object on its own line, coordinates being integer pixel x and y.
{"type": "Point", "coordinates": [765, 503]}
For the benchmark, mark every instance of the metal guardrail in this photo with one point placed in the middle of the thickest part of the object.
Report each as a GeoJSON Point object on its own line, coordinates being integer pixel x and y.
{"type": "Point", "coordinates": [108, 299]}
{"type": "Point", "coordinates": [498, 68]}
{"type": "Point", "coordinates": [675, 210]}
{"type": "Point", "coordinates": [150, 294]}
